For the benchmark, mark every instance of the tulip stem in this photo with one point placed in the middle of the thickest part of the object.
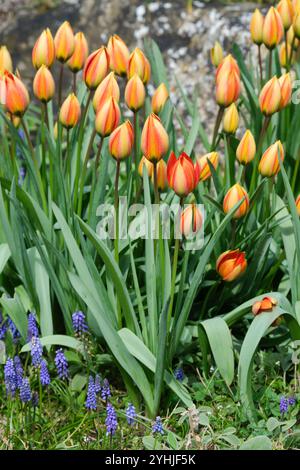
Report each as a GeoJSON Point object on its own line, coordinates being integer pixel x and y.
{"type": "Point", "coordinates": [61, 76]}
{"type": "Point", "coordinates": [94, 179]}
{"type": "Point", "coordinates": [98, 155]}
{"type": "Point", "coordinates": [292, 51]}
{"type": "Point", "coordinates": [135, 153]}
{"type": "Point", "coordinates": [270, 64]}
{"type": "Point", "coordinates": [260, 65]}
{"type": "Point", "coordinates": [296, 169]}
{"type": "Point", "coordinates": [263, 131]}
{"type": "Point", "coordinates": [156, 193]}
{"type": "Point", "coordinates": [117, 233]}
{"type": "Point", "coordinates": [83, 174]}
{"type": "Point", "coordinates": [217, 125]}
{"type": "Point", "coordinates": [74, 83]}
{"type": "Point", "coordinates": [287, 62]}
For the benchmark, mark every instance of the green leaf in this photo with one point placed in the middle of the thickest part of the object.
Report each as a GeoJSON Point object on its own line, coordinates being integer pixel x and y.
{"type": "Point", "coordinates": [15, 309]}
{"type": "Point", "coordinates": [257, 443]}
{"type": "Point", "coordinates": [58, 340]}
{"type": "Point", "coordinates": [4, 255]}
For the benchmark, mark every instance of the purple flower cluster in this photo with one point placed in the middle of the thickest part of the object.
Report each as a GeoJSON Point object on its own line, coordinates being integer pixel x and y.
{"type": "Point", "coordinates": [130, 414]}
{"type": "Point", "coordinates": [157, 427]}
{"type": "Point", "coordinates": [3, 326]}
{"type": "Point", "coordinates": [18, 371]}
{"type": "Point", "coordinates": [36, 351]}
{"type": "Point", "coordinates": [285, 403]}
{"type": "Point", "coordinates": [25, 391]}
{"type": "Point", "coordinates": [105, 390]}
{"type": "Point", "coordinates": [61, 364]}
{"type": "Point", "coordinates": [91, 398]}
{"type": "Point", "coordinates": [32, 328]}
{"type": "Point", "coordinates": [79, 323]}
{"type": "Point", "coordinates": [97, 384]}
{"type": "Point", "coordinates": [111, 421]}
{"type": "Point", "coordinates": [10, 377]}
{"type": "Point", "coordinates": [44, 374]}
{"type": "Point", "coordinates": [179, 375]}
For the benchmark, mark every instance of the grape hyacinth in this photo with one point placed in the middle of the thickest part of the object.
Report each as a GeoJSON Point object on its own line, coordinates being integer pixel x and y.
{"type": "Point", "coordinates": [157, 427]}
{"type": "Point", "coordinates": [22, 174]}
{"type": "Point", "coordinates": [32, 329]}
{"type": "Point", "coordinates": [97, 384]}
{"type": "Point", "coordinates": [61, 364]}
{"type": "Point", "coordinates": [36, 351]}
{"type": "Point", "coordinates": [91, 400]}
{"type": "Point", "coordinates": [44, 374]}
{"type": "Point", "coordinates": [14, 331]}
{"type": "Point", "coordinates": [283, 405]}
{"type": "Point", "coordinates": [79, 323]}
{"type": "Point", "coordinates": [179, 375]}
{"type": "Point", "coordinates": [25, 392]}
{"type": "Point", "coordinates": [130, 414]}
{"type": "Point", "coordinates": [18, 371]}
{"type": "Point", "coordinates": [10, 377]}
{"type": "Point", "coordinates": [111, 422]}
{"type": "Point", "coordinates": [292, 401]}
{"type": "Point", "coordinates": [105, 390]}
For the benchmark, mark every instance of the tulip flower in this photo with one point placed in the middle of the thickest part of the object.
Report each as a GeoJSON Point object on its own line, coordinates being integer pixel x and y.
{"type": "Point", "coordinates": [108, 88]}
{"type": "Point", "coordinates": [43, 84]}
{"type": "Point", "coordinates": [162, 180]}
{"type": "Point", "coordinates": [285, 55]}
{"type": "Point", "coordinates": [234, 195]}
{"type": "Point", "coordinates": [64, 42]}
{"type": "Point", "coordinates": [270, 97]}
{"type": "Point", "coordinates": [298, 204]}
{"type": "Point", "coordinates": [246, 149]}
{"type": "Point", "coordinates": [79, 56]}
{"type": "Point", "coordinates": [2, 91]}
{"type": "Point", "coordinates": [96, 68]}
{"type": "Point", "coordinates": [119, 55]}
{"type": "Point", "coordinates": [191, 221]}
{"type": "Point", "coordinates": [228, 64]}
{"type": "Point", "coordinates": [121, 141]}
{"type": "Point", "coordinates": [296, 5]}
{"type": "Point", "coordinates": [269, 163]}
{"type": "Point", "coordinates": [296, 25]}
{"type": "Point", "coordinates": [256, 27]}
{"type": "Point", "coordinates": [182, 175]}
{"type": "Point", "coordinates": [43, 52]}
{"type": "Point", "coordinates": [216, 54]}
{"type": "Point", "coordinates": [16, 95]}
{"type": "Point", "coordinates": [70, 112]}
{"type": "Point", "coordinates": [148, 165]}
{"type": "Point", "coordinates": [265, 305]}
{"type": "Point", "coordinates": [159, 98]}
{"type": "Point", "coordinates": [286, 90]}
{"type": "Point", "coordinates": [107, 117]}
{"type": "Point", "coordinates": [204, 168]}
{"type": "Point", "coordinates": [5, 61]}
{"type": "Point", "coordinates": [231, 264]}
{"type": "Point", "coordinates": [139, 64]}
{"type": "Point", "coordinates": [154, 139]}
{"type": "Point", "coordinates": [135, 93]}
{"type": "Point", "coordinates": [228, 87]}
{"type": "Point", "coordinates": [230, 119]}
{"type": "Point", "coordinates": [272, 29]}
{"type": "Point", "coordinates": [291, 38]}
{"type": "Point", "coordinates": [286, 11]}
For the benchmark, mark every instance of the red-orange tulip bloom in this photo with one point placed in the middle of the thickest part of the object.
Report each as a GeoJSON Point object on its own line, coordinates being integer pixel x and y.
{"type": "Point", "coordinates": [70, 112]}
{"type": "Point", "coordinates": [228, 64]}
{"type": "Point", "coordinates": [203, 166]}
{"type": "Point", "coordinates": [228, 86]}
{"type": "Point", "coordinates": [119, 55]}
{"type": "Point", "coordinates": [162, 180]}
{"type": "Point", "coordinates": [190, 221]}
{"type": "Point", "coordinates": [298, 204]}
{"type": "Point", "coordinates": [121, 141]}
{"type": "Point", "coordinates": [154, 139]}
{"type": "Point", "coordinates": [107, 117]}
{"type": "Point", "coordinates": [106, 89]}
{"type": "Point", "coordinates": [139, 64]}
{"type": "Point", "coordinates": [148, 165]}
{"type": "Point", "coordinates": [216, 54]}
{"type": "Point", "coordinates": [256, 27]}
{"type": "Point", "coordinates": [79, 56]}
{"type": "Point", "coordinates": [16, 95]}
{"type": "Point", "coordinates": [265, 305]}
{"type": "Point", "coordinates": [43, 52]}
{"type": "Point", "coordinates": [286, 90]}
{"type": "Point", "coordinates": [182, 175]}
{"type": "Point", "coordinates": [96, 68]}
{"type": "Point", "coordinates": [5, 60]}
{"type": "Point", "coordinates": [269, 163]}
{"type": "Point", "coordinates": [2, 90]}
{"type": "Point", "coordinates": [270, 97]}
{"type": "Point", "coordinates": [286, 11]}
{"type": "Point", "coordinates": [234, 195]}
{"type": "Point", "coordinates": [135, 93]}
{"type": "Point", "coordinates": [231, 264]}
{"type": "Point", "coordinates": [43, 84]}
{"type": "Point", "coordinates": [246, 149]}
{"type": "Point", "coordinates": [272, 29]}
{"type": "Point", "coordinates": [64, 42]}
{"type": "Point", "coordinates": [159, 98]}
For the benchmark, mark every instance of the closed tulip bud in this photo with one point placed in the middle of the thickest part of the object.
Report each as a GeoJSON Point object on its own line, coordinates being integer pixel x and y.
{"type": "Point", "coordinates": [231, 119]}
{"type": "Point", "coordinates": [272, 29]}
{"type": "Point", "coordinates": [70, 112]}
{"type": "Point", "coordinates": [121, 141]}
{"type": "Point", "coordinates": [256, 27]}
{"type": "Point", "coordinates": [270, 97]}
{"type": "Point", "coordinates": [107, 117]}
{"type": "Point", "coordinates": [231, 264]}
{"type": "Point", "coordinates": [204, 168]}
{"type": "Point", "coordinates": [148, 165]}
{"type": "Point", "coordinates": [291, 38]}
{"type": "Point", "coordinates": [43, 52]}
{"type": "Point", "coordinates": [216, 54]}
{"type": "Point", "coordinates": [139, 64]}
{"type": "Point", "coordinates": [5, 60]}
{"type": "Point", "coordinates": [296, 5]}
{"type": "Point", "coordinates": [16, 95]}
{"type": "Point", "coordinates": [269, 162]}
{"type": "Point", "coordinates": [228, 64]}
{"type": "Point", "coordinates": [298, 204]}
{"type": "Point", "coordinates": [55, 130]}
{"type": "Point", "coordinates": [228, 89]}
{"type": "Point", "coordinates": [246, 149]}
{"type": "Point", "coordinates": [286, 11]}
{"type": "Point", "coordinates": [108, 88]}
{"type": "Point", "coordinates": [182, 175]}
{"type": "Point", "coordinates": [296, 25]}
{"type": "Point", "coordinates": [79, 56]}
{"type": "Point", "coordinates": [64, 42]}
{"type": "Point", "coordinates": [159, 98]}
{"type": "Point", "coordinates": [96, 68]}
{"type": "Point", "coordinates": [119, 55]}
{"type": "Point", "coordinates": [135, 93]}
{"type": "Point", "coordinates": [162, 180]}
{"type": "Point", "coordinates": [286, 89]}
{"type": "Point", "coordinates": [283, 58]}
{"type": "Point", "coordinates": [43, 84]}
{"type": "Point", "coordinates": [265, 305]}
{"type": "Point", "coordinates": [234, 195]}
{"type": "Point", "coordinates": [190, 221]}
{"type": "Point", "coordinates": [154, 139]}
